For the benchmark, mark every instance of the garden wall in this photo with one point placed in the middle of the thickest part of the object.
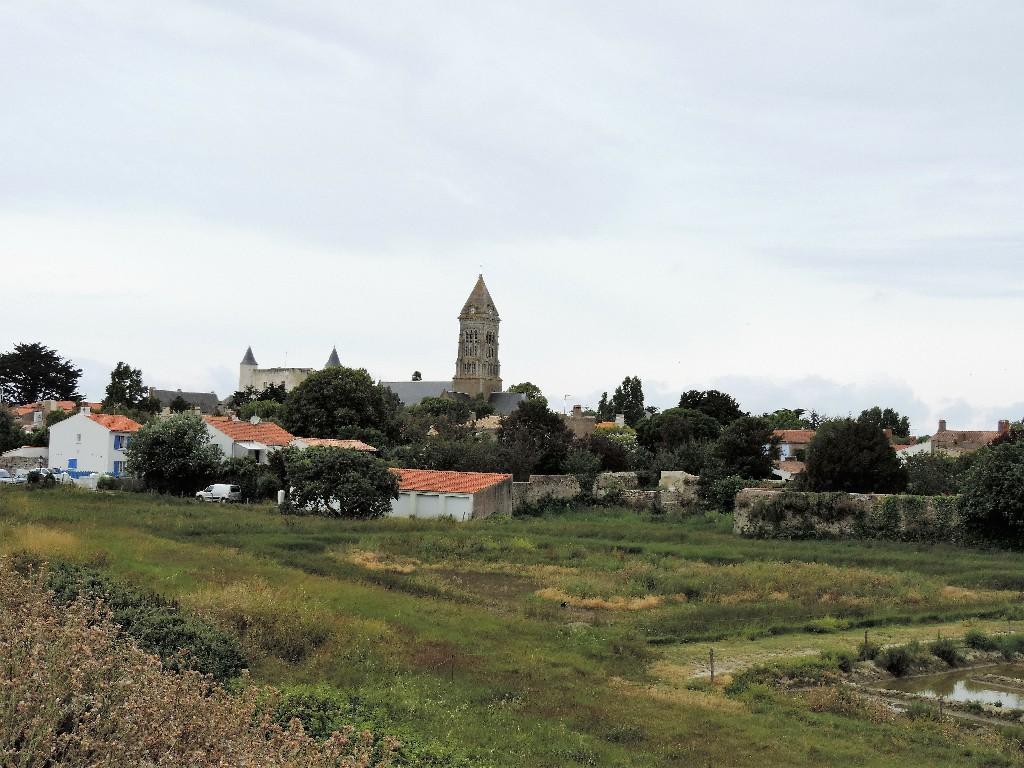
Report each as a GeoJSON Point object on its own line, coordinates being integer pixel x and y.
{"type": "Point", "coordinates": [767, 514]}
{"type": "Point", "coordinates": [676, 489]}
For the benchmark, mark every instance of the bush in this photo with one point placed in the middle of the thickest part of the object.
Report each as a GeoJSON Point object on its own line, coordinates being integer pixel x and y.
{"type": "Point", "coordinates": [174, 454]}
{"type": "Point", "coordinates": [900, 659]}
{"type": "Point", "coordinates": [978, 640]}
{"type": "Point", "coordinates": [992, 501]}
{"type": "Point", "coordinates": [339, 483]}
{"type": "Point", "coordinates": [947, 650]}
{"type": "Point", "coordinates": [718, 491]}
{"type": "Point", "coordinates": [76, 693]}
{"type": "Point", "coordinates": [922, 710]}
{"type": "Point", "coordinates": [794, 673]}
{"type": "Point", "coordinates": [853, 456]}
{"type": "Point", "coordinates": [157, 625]}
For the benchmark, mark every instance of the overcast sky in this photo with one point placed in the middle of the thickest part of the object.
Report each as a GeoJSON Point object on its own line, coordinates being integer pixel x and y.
{"type": "Point", "coordinates": [808, 204]}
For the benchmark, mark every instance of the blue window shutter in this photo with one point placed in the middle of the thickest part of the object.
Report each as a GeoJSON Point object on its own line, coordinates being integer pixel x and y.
{"type": "Point", "coordinates": [72, 463]}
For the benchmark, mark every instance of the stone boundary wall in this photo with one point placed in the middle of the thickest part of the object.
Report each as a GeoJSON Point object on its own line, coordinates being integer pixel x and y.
{"type": "Point", "coordinates": [675, 490]}
{"type": "Point", "coordinates": [764, 513]}
{"type": "Point", "coordinates": [14, 463]}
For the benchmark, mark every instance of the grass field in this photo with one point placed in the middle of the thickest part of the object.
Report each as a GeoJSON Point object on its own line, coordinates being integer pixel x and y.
{"type": "Point", "coordinates": [551, 641]}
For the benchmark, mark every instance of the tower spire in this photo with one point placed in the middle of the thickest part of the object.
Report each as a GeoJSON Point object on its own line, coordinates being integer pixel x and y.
{"type": "Point", "coordinates": [477, 370]}
{"type": "Point", "coordinates": [333, 361]}
{"type": "Point", "coordinates": [248, 359]}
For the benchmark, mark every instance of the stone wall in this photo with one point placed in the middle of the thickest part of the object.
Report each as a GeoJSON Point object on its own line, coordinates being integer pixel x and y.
{"type": "Point", "coordinates": [765, 513]}
{"type": "Point", "coordinates": [542, 488]}
{"type": "Point", "coordinates": [675, 490]}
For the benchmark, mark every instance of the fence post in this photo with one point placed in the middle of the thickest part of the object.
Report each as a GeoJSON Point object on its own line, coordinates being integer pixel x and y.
{"type": "Point", "coordinates": [712, 655]}
{"type": "Point", "coordinates": [940, 709]}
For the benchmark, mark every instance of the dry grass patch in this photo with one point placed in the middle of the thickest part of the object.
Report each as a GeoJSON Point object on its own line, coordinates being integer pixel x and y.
{"type": "Point", "coordinates": [614, 603]}
{"type": "Point", "coordinates": [40, 540]}
{"type": "Point", "coordinates": [713, 700]}
{"type": "Point", "coordinates": [375, 561]}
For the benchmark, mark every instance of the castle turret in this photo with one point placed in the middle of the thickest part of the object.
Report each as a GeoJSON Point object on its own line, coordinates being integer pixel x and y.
{"type": "Point", "coordinates": [333, 361]}
{"type": "Point", "coordinates": [477, 370]}
{"type": "Point", "coordinates": [246, 369]}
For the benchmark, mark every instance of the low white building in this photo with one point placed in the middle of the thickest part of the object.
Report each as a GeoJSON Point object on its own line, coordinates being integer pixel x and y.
{"type": "Point", "coordinates": [459, 495]}
{"type": "Point", "coordinates": [91, 442]}
{"type": "Point", "coordinates": [253, 439]}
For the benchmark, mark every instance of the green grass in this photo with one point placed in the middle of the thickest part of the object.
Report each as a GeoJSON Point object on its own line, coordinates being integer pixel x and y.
{"type": "Point", "coordinates": [546, 641]}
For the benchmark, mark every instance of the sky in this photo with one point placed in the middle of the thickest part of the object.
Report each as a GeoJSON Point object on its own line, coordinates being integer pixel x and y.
{"type": "Point", "coordinates": [806, 204]}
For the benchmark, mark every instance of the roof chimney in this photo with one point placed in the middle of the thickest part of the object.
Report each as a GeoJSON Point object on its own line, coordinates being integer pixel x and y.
{"type": "Point", "coordinates": [1003, 427]}
{"type": "Point", "coordinates": [577, 411]}
{"type": "Point", "coordinates": [620, 419]}
{"type": "Point", "coordinates": [942, 425]}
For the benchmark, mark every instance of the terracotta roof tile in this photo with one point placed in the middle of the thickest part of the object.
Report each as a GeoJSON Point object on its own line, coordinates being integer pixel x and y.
{"type": "Point", "coordinates": [115, 423]}
{"type": "Point", "coordinates": [266, 432]}
{"type": "Point", "coordinates": [794, 436]}
{"type": "Point", "coordinates": [436, 481]}
{"type": "Point", "coordinates": [326, 442]}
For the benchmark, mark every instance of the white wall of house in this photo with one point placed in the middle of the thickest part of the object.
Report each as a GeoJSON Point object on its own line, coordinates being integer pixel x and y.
{"type": "Point", "coordinates": [788, 450]}
{"type": "Point", "coordinates": [222, 441]}
{"type": "Point", "coordinates": [431, 505]}
{"type": "Point", "coordinates": [79, 444]}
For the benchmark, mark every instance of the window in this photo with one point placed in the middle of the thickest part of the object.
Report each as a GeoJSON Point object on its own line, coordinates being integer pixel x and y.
{"type": "Point", "coordinates": [78, 437]}
{"type": "Point", "coordinates": [118, 468]}
{"type": "Point", "coordinates": [119, 442]}
{"type": "Point", "coordinates": [72, 463]}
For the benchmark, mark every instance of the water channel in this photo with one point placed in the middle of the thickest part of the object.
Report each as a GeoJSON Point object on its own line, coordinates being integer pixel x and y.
{"type": "Point", "coordinates": [966, 685]}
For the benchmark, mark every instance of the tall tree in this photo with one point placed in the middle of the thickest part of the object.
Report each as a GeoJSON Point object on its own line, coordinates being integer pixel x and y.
{"type": "Point", "coordinates": [718, 405]}
{"type": "Point", "coordinates": [676, 427]}
{"type": "Point", "coordinates": [341, 402]}
{"type": "Point", "coordinates": [417, 376]}
{"type": "Point", "coordinates": [528, 388]}
{"type": "Point", "coordinates": [12, 435]}
{"type": "Point", "coordinates": [125, 389]}
{"type": "Point", "coordinates": [339, 483]}
{"type": "Point", "coordinates": [886, 419]}
{"type": "Point", "coordinates": [532, 430]}
{"type": "Point", "coordinates": [786, 418]}
{"type": "Point", "coordinates": [628, 400]}
{"type": "Point", "coordinates": [605, 412]}
{"type": "Point", "coordinates": [33, 372]}
{"type": "Point", "coordinates": [747, 448]}
{"type": "Point", "coordinates": [174, 455]}
{"type": "Point", "coordinates": [853, 456]}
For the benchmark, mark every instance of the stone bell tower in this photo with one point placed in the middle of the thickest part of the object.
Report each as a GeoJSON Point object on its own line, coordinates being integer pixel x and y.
{"type": "Point", "coordinates": [477, 370]}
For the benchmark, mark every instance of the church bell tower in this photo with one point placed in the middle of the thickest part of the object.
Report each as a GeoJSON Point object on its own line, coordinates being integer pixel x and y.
{"type": "Point", "coordinates": [477, 370]}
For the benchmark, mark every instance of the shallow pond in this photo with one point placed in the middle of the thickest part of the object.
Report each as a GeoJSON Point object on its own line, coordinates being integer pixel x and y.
{"type": "Point", "coordinates": [964, 685]}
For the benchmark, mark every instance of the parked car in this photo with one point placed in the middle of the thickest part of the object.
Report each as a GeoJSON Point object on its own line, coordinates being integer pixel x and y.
{"type": "Point", "coordinates": [7, 478]}
{"type": "Point", "coordinates": [221, 492]}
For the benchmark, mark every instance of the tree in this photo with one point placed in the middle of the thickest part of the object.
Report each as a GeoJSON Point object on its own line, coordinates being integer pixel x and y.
{"type": "Point", "coordinates": [337, 400]}
{"type": "Point", "coordinates": [718, 405]}
{"type": "Point", "coordinates": [125, 389]}
{"type": "Point", "coordinates": [887, 419]}
{"type": "Point", "coordinates": [534, 439]}
{"type": "Point", "coordinates": [605, 412]}
{"type": "Point", "coordinates": [32, 372]}
{"type": "Point", "coordinates": [528, 388]}
{"type": "Point", "coordinates": [12, 434]}
{"type": "Point", "coordinates": [628, 400]}
{"type": "Point", "coordinates": [337, 482]}
{"type": "Point", "coordinates": [417, 376]}
{"type": "Point", "coordinates": [584, 465]}
{"type": "Point", "coordinates": [935, 474]}
{"type": "Point", "coordinates": [747, 448]}
{"type": "Point", "coordinates": [265, 409]}
{"type": "Point", "coordinates": [992, 500]}
{"type": "Point", "coordinates": [251, 394]}
{"type": "Point", "coordinates": [675, 427]}
{"type": "Point", "coordinates": [447, 415]}
{"type": "Point", "coordinates": [174, 455]}
{"type": "Point", "coordinates": [786, 418]}
{"type": "Point", "coordinates": [256, 481]}
{"type": "Point", "coordinates": [853, 456]}
{"type": "Point", "coordinates": [179, 405]}
{"type": "Point", "coordinates": [613, 453]}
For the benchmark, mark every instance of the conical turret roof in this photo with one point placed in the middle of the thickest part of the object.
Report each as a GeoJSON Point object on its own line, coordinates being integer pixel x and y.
{"type": "Point", "coordinates": [333, 361]}
{"type": "Point", "coordinates": [479, 301]}
{"type": "Point", "coordinates": [248, 359]}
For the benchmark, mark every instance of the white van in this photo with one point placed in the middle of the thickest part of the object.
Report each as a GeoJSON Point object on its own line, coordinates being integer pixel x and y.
{"type": "Point", "coordinates": [221, 492]}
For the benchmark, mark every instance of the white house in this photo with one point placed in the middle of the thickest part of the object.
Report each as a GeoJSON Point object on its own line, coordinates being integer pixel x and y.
{"type": "Point", "coordinates": [91, 442]}
{"type": "Point", "coordinates": [253, 439]}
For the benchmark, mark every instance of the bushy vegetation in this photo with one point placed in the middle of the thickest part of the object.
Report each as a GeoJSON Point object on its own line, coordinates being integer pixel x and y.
{"type": "Point", "coordinates": [74, 692]}
{"type": "Point", "coordinates": [338, 482]}
{"type": "Point", "coordinates": [174, 455]}
{"type": "Point", "coordinates": [853, 456]}
{"type": "Point", "coordinates": [992, 501]}
{"type": "Point", "coordinates": [159, 627]}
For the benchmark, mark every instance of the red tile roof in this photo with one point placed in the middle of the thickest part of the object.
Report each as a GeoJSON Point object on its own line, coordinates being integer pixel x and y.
{"type": "Point", "coordinates": [327, 442]}
{"type": "Point", "coordinates": [436, 481]}
{"type": "Point", "coordinates": [266, 432]}
{"type": "Point", "coordinates": [794, 436]}
{"type": "Point", "coordinates": [115, 423]}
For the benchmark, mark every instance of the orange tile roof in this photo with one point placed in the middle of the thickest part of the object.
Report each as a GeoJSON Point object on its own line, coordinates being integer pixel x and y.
{"type": "Point", "coordinates": [266, 432]}
{"type": "Point", "coordinates": [794, 436]}
{"type": "Point", "coordinates": [605, 425]}
{"type": "Point", "coordinates": [436, 481]}
{"type": "Point", "coordinates": [115, 423]}
{"type": "Point", "coordinates": [327, 442]}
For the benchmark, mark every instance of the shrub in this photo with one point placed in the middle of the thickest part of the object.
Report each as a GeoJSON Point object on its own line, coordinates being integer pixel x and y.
{"type": "Point", "coordinates": [922, 710]}
{"type": "Point", "coordinates": [868, 651]}
{"type": "Point", "coordinates": [978, 640]}
{"type": "Point", "coordinates": [992, 501]}
{"type": "Point", "coordinates": [340, 483]}
{"type": "Point", "coordinates": [1010, 645]}
{"type": "Point", "coordinates": [853, 456]}
{"type": "Point", "coordinates": [121, 708]}
{"type": "Point", "coordinates": [174, 454]}
{"type": "Point", "coordinates": [947, 650]}
{"type": "Point", "coordinates": [158, 626]}
{"type": "Point", "coordinates": [899, 659]}
{"type": "Point", "coordinates": [792, 673]}
{"type": "Point", "coordinates": [716, 491]}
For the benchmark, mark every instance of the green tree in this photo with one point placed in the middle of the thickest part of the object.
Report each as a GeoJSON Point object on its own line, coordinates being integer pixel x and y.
{"type": "Point", "coordinates": [605, 411]}
{"type": "Point", "coordinates": [720, 406]}
{"type": "Point", "coordinates": [936, 474]}
{"type": "Point", "coordinates": [12, 434]}
{"type": "Point", "coordinates": [447, 415]}
{"type": "Point", "coordinates": [417, 376]}
{"type": "Point", "coordinates": [886, 419]}
{"type": "Point", "coordinates": [179, 405]}
{"type": "Point", "coordinates": [628, 399]}
{"type": "Point", "coordinates": [992, 499]}
{"type": "Point", "coordinates": [534, 439]}
{"type": "Point", "coordinates": [265, 409]}
{"type": "Point", "coordinates": [747, 448]}
{"type": "Point", "coordinates": [673, 428]}
{"type": "Point", "coordinates": [33, 372]}
{"type": "Point", "coordinates": [256, 481]}
{"type": "Point", "coordinates": [786, 418]}
{"type": "Point", "coordinates": [583, 464]}
{"type": "Point", "coordinates": [125, 389]}
{"type": "Point", "coordinates": [853, 456]}
{"type": "Point", "coordinates": [251, 394]}
{"type": "Point", "coordinates": [465, 453]}
{"type": "Point", "coordinates": [528, 388]}
{"type": "Point", "coordinates": [340, 483]}
{"type": "Point", "coordinates": [337, 401]}
{"type": "Point", "coordinates": [174, 455]}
